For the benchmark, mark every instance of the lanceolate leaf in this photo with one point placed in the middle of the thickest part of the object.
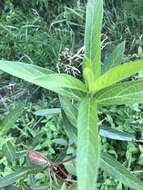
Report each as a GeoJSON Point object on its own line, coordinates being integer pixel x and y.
{"type": "Point", "coordinates": [64, 187]}
{"type": "Point", "coordinates": [94, 15]}
{"type": "Point", "coordinates": [117, 74]}
{"type": "Point", "coordinates": [116, 134]}
{"type": "Point", "coordinates": [71, 167]}
{"type": "Point", "coordinates": [9, 151]}
{"type": "Point", "coordinates": [50, 111]}
{"type": "Point", "coordinates": [12, 178]}
{"type": "Point", "coordinates": [12, 187]}
{"type": "Point", "coordinates": [115, 58]}
{"type": "Point", "coordinates": [69, 109]}
{"type": "Point", "coordinates": [70, 129]}
{"type": "Point", "coordinates": [60, 83]}
{"type": "Point", "coordinates": [73, 187]}
{"type": "Point", "coordinates": [41, 187]}
{"type": "Point", "coordinates": [113, 168]}
{"type": "Point", "coordinates": [88, 145]}
{"type": "Point", "coordinates": [9, 120]}
{"type": "Point", "coordinates": [26, 70]}
{"type": "Point", "coordinates": [124, 93]}
{"type": "Point", "coordinates": [1, 72]}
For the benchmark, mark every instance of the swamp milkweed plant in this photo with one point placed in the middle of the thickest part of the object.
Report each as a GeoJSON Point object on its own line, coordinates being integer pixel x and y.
{"type": "Point", "coordinates": [102, 85]}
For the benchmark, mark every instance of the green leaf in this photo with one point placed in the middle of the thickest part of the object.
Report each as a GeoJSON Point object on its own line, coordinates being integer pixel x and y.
{"type": "Point", "coordinates": [125, 93]}
{"type": "Point", "coordinates": [26, 187]}
{"type": "Point", "coordinates": [116, 134]}
{"type": "Point", "coordinates": [88, 145]}
{"type": "Point", "coordinates": [9, 120]}
{"type": "Point", "coordinates": [44, 112]}
{"type": "Point", "coordinates": [117, 74]}
{"type": "Point", "coordinates": [70, 167]}
{"type": "Point", "coordinates": [41, 187]}
{"type": "Point", "coordinates": [73, 187]}
{"type": "Point", "coordinates": [60, 141]}
{"type": "Point", "coordinates": [26, 70]}
{"type": "Point", "coordinates": [63, 84]}
{"type": "Point", "coordinates": [13, 178]}
{"type": "Point", "coordinates": [1, 72]}
{"type": "Point", "coordinates": [69, 116]}
{"type": "Point", "coordinates": [12, 187]}
{"type": "Point", "coordinates": [113, 168]}
{"type": "Point", "coordinates": [115, 58]}
{"type": "Point", "coordinates": [64, 187]}
{"type": "Point", "coordinates": [69, 129]}
{"type": "Point", "coordinates": [60, 83]}
{"type": "Point", "coordinates": [69, 109]}
{"type": "Point", "coordinates": [94, 16]}
{"type": "Point", "coordinates": [9, 151]}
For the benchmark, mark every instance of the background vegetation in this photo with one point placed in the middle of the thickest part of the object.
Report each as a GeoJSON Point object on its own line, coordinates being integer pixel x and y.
{"type": "Point", "coordinates": [49, 34]}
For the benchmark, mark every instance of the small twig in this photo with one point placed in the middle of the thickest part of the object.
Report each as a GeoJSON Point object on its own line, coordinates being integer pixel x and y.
{"type": "Point", "coordinates": [139, 141]}
{"type": "Point", "coordinates": [72, 158]}
{"type": "Point", "coordinates": [58, 167]}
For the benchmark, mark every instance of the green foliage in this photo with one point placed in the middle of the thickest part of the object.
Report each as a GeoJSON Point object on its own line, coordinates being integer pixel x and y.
{"type": "Point", "coordinates": [80, 118]}
{"type": "Point", "coordinates": [126, 93]}
{"type": "Point", "coordinates": [117, 74]}
{"type": "Point", "coordinates": [69, 116]}
{"type": "Point", "coordinates": [36, 75]}
{"type": "Point", "coordinates": [115, 134]}
{"type": "Point", "coordinates": [88, 145]}
{"type": "Point", "coordinates": [12, 178]}
{"type": "Point", "coordinates": [25, 35]}
{"type": "Point", "coordinates": [9, 151]}
{"type": "Point", "coordinates": [115, 58]}
{"type": "Point", "coordinates": [123, 20]}
{"type": "Point", "coordinates": [9, 120]}
{"type": "Point", "coordinates": [45, 112]}
{"type": "Point", "coordinates": [115, 169]}
{"type": "Point", "coordinates": [94, 14]}
{"type": "Point", "coordinates": [69, 109]}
